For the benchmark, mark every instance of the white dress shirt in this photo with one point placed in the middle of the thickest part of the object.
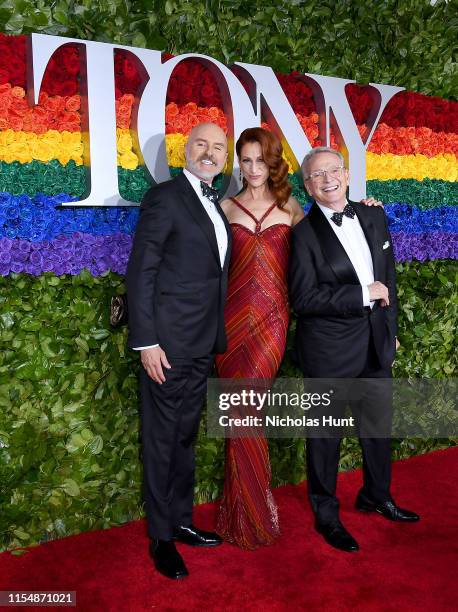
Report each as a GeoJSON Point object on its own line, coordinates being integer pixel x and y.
{"type": "Point", "coordinates": [353, 240]}
{"type": "Point", "coordinates": [218, 224]}
{"type": "Point", "coordinates": [212, 212]}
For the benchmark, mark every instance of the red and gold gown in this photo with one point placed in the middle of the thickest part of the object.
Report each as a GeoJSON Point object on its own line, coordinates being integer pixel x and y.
{"type": "Point", "coordinates": [256, 316]}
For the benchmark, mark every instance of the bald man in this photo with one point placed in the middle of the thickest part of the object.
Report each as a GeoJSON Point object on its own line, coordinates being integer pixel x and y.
{"type": "Point", "coordinates": [176, 289]}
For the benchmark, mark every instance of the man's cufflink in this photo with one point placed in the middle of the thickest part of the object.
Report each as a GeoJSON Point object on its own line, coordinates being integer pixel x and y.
{"type": "Point", "coordinates": [386, 244]}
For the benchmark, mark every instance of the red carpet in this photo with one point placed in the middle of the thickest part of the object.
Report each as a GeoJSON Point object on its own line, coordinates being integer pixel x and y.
{"type": "Point", "coordinates": [399, 567]}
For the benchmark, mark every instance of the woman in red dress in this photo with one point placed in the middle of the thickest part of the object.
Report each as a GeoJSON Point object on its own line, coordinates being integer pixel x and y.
{"type": "Point", "coordinates": [256, 314]}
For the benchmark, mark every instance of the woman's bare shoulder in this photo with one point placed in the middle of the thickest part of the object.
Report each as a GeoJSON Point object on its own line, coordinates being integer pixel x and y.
{"type": "Point", "coordinates": [226, 204]}
{"type": "Point", "coordinates": [295, 210]}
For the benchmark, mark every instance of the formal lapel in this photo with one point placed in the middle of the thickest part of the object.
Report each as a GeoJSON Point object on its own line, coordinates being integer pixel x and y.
{"type": "Point", "coordinates": [332, 249]}
{"type": "Point", "coordinates": [229, 236]}
{"type": "Point", "coordinates": [196, 209]}
{"type": "Point", "coordinates": [368, 227]}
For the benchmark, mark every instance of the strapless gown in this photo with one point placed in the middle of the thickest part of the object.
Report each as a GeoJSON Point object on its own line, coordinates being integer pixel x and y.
{"type": "Point", "coordinates": [256, 316]}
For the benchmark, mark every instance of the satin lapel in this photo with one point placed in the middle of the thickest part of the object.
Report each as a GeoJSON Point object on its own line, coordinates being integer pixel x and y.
{"type": "Point", "coordinates": [368, 228]}
{"type": "Point", "coordinates": [333, 251]}
{"type": "Point", "coordinates": [229, 236]}
{"type": "Point", "coordinates": [195, 207]}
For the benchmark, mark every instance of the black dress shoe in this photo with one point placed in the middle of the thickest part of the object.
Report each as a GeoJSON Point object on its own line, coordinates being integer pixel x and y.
{"type": "Point", "coordinates": [337, 536]}
{"type": "Point", "coordinates": [167, 559]}
{"type": "Point", "coordinates": [196, 537]}
{"type": "Point", "coordinates": [388, 509]}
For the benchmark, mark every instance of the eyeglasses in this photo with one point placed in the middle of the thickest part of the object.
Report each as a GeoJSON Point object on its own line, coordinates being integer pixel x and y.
{"type": "Point", "coordinates": [320, 174]}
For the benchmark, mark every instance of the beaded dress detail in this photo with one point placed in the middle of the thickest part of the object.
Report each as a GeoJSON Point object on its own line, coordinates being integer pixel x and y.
{"type": "Point", "coordinates": [256, 317]}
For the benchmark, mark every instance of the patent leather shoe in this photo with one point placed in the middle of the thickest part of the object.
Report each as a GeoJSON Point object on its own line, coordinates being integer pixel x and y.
{"type": "Point", "coordinates": [388, 509]}
{"type": "Point", "coordinates": [167, 559]}
{"type": "Point", "coordinates": [196, 537]}
{"type": "Point", "coordinates": [337, 536]}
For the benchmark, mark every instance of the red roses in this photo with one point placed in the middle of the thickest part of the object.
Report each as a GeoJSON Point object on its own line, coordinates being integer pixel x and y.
{"type": "Point", "coordinates": [192, 82]}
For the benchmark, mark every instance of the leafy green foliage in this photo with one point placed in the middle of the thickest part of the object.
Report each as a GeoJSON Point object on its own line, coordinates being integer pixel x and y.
{"type": "Point", "coordinates": [428, 299]}
{"type": "Point", "coordinates": [412, 43]}
{"type": "Point", "coordinates": [69, 454]}
{"type": "Point", "coordinates": [69, 442]}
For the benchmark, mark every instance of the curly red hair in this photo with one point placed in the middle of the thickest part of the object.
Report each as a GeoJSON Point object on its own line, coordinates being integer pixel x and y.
{"type": "Point", "coordinates": [272, 151]}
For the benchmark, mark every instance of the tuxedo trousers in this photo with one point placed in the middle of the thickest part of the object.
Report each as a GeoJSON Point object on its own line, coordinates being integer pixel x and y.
{"type": "Point", "coordinates": [323, 454]}
{"type": "Point", "coordinates": [170, 415]}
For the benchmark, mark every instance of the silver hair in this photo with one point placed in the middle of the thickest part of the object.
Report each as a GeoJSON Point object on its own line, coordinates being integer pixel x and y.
{"type": "Point", "coordinates": [314, 152]}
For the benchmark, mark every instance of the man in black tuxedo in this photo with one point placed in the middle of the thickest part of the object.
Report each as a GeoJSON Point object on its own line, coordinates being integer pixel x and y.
{"type": "Point", "coordinates": [176, 289]}
{"type": "Point", "coordinates": [343, 290]}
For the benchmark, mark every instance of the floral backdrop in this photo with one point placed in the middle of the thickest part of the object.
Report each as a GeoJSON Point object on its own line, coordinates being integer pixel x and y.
{"type": "Point", "coordinates": [411, 163]}
{"type": "Point", "coordinates": [68, 392]}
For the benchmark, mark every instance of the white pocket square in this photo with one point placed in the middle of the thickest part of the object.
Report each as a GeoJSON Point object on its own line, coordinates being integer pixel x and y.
{"type": "Point", "coordinates": [386, 244]}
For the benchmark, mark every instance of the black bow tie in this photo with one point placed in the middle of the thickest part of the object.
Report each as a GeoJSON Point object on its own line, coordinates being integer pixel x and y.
{"type": "Point", "coordinates": [348, 211]}
{"type": "Point", "coordinates": [209, 192]}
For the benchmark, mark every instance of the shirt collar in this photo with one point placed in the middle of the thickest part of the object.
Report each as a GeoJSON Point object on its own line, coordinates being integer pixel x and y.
{"type": "Point", "coordinates": [194, 180]}
{"type": "Point", "coordinates": [328, 212]}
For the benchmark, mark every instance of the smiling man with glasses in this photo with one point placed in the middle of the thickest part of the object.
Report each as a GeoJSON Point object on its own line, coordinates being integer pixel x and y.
{"type": "Point", "coordinates": [333, 171]}
{"type": "Point", "coordinates": [343, 289]}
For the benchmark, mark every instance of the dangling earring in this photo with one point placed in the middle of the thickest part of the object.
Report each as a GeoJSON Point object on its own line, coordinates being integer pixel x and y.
{"type": "Point", "coordinates": [241, 175]}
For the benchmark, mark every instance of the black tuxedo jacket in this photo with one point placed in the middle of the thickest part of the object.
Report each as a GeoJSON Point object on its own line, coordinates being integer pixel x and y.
{"type": "Point", "coordinates": [176, 288]}
{"type": "Point", "coordinates": [333, 328]}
